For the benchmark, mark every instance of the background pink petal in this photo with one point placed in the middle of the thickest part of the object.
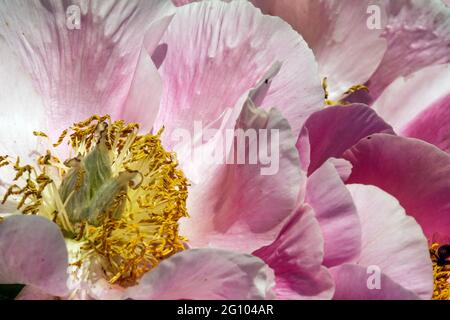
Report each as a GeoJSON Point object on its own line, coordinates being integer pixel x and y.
{"type": "Point", "coordinates": [206, 274]}
{"type": "Point", "coordinates": [413, 171]}
{"type": "Point", "coordinates": [296, 257]}
{"type": "Point", "coordinates": [351, 284]}
{"type": "Point", "coordinates": [336, 213]}
{"type": "Point", "coordinates": [417, 33]}
{"type": "Point", "coordinates": [85, 71]}
{"type": "Point", "coordinates": [409, 96]}
{"type": "Point", "coordinates": [417, 105]}
{"type": "Point", "coordinates": [33, 252]}
{"type": "Point", "coordinates": [338, 33]}
{"type": "Point", "coordinates": [393, 241]}
{"type": "Point", "coordinates": [335, 129]}
{"type": "Point", "coordinates": [216, 51]}
{"type": "Point", "coordinates": [238, 206]}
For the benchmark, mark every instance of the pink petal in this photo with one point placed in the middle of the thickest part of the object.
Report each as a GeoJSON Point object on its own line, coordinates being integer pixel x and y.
{"type": "Point", "coordinates": [417, 33]}
{"type": "Point", "coordinates": [33, 252]}
{"type": "Point", "coordinates": [403, 256]}
{"type": "Point", "coordinates": [335, 129]}
{"type": "Point", "coordinates": [217, 51]}
{"type": "Point", "coordinates": [337, 32]}
{"type": "Point", "coordinates": [413, 171]}
{"type": "Point", "coordinates": [343, 168]}
{"type": "Point", "coordinates": [351, 284]}
{"type": "Point", "coordinates": [205, 274]}
{"type": "Point", "coordinates": [336, 214]}
{"type": "Point", "coordinates": [144, 96]}
{"type": "Point", "coordinates": [182, 2]}
{"type": "Point", "coordinates": [417, 106]}
{"type": "Point", "coordinates": [239, 207]}
{"type": "Point", "coordinates": [409, 97]}
{"type": "Point", "coordinates": [433, 125]}
{"type": "Point", "coordinates": [18, 94]}
{"type": "Point", "coordinates": [85, 71]}
{"type": "Point", "coordinates": [296, 257]}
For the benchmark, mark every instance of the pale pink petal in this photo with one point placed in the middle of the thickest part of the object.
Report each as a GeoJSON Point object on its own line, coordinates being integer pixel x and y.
{"type": "Point", "coordinates": [144, 96]}
{"type": "Point", "coordinates": [217, 51]}
{"type": "Point", "coordinates": [353, 282]}
{"type": "Point", "coordinates": [413, 171]}
{"type": "Point", "coordinates": [433, 125]}
{"type": "Point", "coordinates": [33, 252]}
{"type": "Point", "coordinates": [304, 149]}
{"type": "Point", "coordinates": [296, 257]}
{"type": "Point", "coordinates": [18, 94]}
{"type": "Point", "coordinates": [336, 213]}
{"type": "Point", "coordinates": [343, 168]}
{"type": "Point", "coordinates": [347, 50]}
{"type": "Point", "coordinates": [335, 129]}
{"type": "Point", "coordinates": [211, 274]}
{"type": "Point", "coordinates": [409, 97]}
{"type": "Point", "coordinates": [85, 71]}
{"type": "Point", "coordinates": [418, 34]}
{"type": "Point", "coordinates": [244, 206]}
{"type": "Point", "coordinates": [22, 111]}
{"type": "Point", "coordinates": [393, 241]}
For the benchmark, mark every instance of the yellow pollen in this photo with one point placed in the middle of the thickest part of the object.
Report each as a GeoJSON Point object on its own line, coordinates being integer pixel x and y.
{"type": "Point", "coordinates": [441, 276]}
{"type": "Point", "coordinates": [120, 197]}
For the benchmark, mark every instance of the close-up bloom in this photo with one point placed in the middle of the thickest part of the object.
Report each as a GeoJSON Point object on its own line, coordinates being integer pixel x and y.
{"type": "Point", "coordinates": [225, 150]}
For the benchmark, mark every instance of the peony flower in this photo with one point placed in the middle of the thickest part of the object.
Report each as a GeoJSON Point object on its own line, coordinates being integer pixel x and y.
{"type": "Point", "coordinates": [96, 207]}
{"type": "Point", "coordinates": [117, 205]}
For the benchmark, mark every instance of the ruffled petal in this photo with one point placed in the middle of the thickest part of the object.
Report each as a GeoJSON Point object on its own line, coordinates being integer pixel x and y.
{"type": "Point", "coordinates": [413, 171]}
{"type": "Point", "coordinates": [402, 256]}
{"type": "Point", "coordinates": [337, 31]}
{"type": "Point", "coordinates": [296, 257]}
{"type": "Point", "coordinates": [206, 274]}
{"type": "Point", "coordinates": [85, 71]}
{"type": "Point", "coordinates": [244, 206]}
{"type": "Point", "coordinates": [335, 129]}
{"type": "Point", "coordinates": [336, 213]}
{"type": "Point", "coordinates": [34, 253]}
{"type": "Point", "coordinates": [418, 34]}
{"type": "Point", "coordinates": [217, 51]}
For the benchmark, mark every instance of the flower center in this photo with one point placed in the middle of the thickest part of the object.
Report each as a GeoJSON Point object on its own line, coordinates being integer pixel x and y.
{"type": "Point", "coordinates": [119, 195]}
{"type": "Point", "coordinates": [441, 269]}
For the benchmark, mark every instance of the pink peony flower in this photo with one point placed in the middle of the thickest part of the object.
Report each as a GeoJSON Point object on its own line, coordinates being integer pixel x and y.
{"type": "Point", "coordinates": [114, 211]}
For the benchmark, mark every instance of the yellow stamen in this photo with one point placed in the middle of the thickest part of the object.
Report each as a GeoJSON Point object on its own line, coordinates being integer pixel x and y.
{"type": "Point", "coordinates": [138, 225]}
{"type": "Point", "coordinates": [441, 276]}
